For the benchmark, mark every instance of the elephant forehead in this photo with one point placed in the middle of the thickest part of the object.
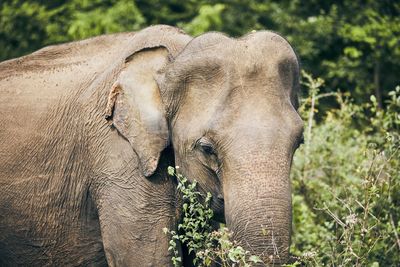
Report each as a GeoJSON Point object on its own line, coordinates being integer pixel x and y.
{"type": "Point", "coordinates": [263, 56]}
{"type": "Point", "coordinates": [223, 108]}
{"type": "Point", "coordinates": [258, 46]}
{"type": "Point", "coordinates": [224, 76]}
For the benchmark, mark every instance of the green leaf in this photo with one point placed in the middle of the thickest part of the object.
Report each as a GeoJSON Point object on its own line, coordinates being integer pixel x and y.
{"type": "Point", "coordinates": [255, 259]}
{"type": "Point", "coordinates": [171, 171]}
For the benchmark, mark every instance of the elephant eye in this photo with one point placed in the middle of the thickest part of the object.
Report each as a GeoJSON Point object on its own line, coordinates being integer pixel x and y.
{"type": "Point", "coordinates": [208, 149]}
{"type": "Point", "coordinates": [206, 146]}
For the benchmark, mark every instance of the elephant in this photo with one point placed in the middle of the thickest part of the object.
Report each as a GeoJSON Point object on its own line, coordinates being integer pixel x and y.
{"type": "Point", "coordinates": [90, 127]}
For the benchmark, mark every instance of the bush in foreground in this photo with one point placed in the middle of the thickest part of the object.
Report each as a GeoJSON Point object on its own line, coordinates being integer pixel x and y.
{"type": "Point", "coordinates": [346, 183]}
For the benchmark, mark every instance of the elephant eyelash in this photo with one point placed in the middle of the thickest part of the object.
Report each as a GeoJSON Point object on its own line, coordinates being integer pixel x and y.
{"type": "Point", "coordinates": [206, 146]}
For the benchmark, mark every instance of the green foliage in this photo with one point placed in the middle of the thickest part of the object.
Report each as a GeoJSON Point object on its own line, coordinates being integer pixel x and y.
{"type": "Point", "coordinates": [22, 28]}
{"type": "Point", "coordinates": [93, 18]}
{"type": "Point", "coordinates": [196, 233]}
{"type": "Point", "coordinates": [346, 181]}
{"type": "Point", "coordinates": [209, 18]}
{"type": "Point", "coordinates": [353, 44]}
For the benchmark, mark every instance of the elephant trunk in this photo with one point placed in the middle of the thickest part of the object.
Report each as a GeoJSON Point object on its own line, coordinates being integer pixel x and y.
{"type": "Point", "coordinates": [258, 205]}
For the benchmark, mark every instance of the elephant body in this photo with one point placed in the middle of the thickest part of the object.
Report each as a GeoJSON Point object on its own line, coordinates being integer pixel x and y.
{"type": "Point", "coordinates": [89, 128]}
{"type": "Point", "coordinates": [48, 216]}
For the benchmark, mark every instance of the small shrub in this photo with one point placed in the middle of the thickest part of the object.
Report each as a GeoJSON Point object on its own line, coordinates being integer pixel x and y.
{"type": "Point", "coordinates": [346, 183]}
{"type": "Point", "coordinates": [195, 231]}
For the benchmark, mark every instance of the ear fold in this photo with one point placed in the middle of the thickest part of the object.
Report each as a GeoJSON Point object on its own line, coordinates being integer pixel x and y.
{"type": "Point", "coordinates": [136, 109]}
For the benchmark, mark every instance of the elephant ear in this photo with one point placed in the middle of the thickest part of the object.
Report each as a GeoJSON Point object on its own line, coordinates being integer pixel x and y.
{"type": "Point", "coordinates": [135, 106]}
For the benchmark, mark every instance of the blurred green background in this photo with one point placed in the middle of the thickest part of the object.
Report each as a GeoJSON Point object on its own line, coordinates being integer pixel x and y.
{"type": "Point", "coordinates": [353, 44]}
{"type": "Point", "coordinates": [346, 177]}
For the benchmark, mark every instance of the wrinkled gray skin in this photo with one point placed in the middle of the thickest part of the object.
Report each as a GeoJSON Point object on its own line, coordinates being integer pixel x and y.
{"type": "Point", "coordinates": [81, 189]}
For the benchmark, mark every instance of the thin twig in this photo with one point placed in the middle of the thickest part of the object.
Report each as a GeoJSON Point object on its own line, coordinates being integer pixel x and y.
{"type": "Point", "coordinates": [395, 231]}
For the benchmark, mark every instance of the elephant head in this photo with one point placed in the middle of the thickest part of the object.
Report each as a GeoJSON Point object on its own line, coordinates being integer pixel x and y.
{"type": "Point", "coordinates": [234, 127]}
{"type": "Point", "coordinates": [227, 108]}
